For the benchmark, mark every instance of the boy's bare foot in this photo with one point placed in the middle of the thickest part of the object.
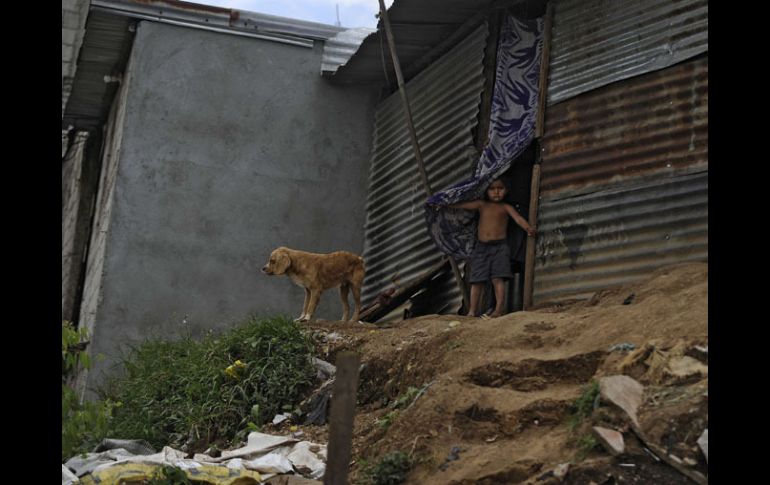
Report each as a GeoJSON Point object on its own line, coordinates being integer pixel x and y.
{"type": "Point", "coordinates": [485, 317]}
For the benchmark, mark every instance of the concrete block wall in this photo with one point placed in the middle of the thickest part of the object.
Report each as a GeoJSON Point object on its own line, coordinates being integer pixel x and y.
{"type": "Point", "coordinates": [230, 147]}
{"type": "Point", "coordinates": [72, 223]}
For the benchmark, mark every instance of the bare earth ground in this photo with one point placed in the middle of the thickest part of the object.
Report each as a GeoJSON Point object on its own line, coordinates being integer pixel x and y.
{"type": "Point", "coordinates": [503, 389]}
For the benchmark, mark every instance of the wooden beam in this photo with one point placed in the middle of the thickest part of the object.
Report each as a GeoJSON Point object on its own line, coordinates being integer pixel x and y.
{"type": "Point", "coordinates": [529, 262]}
{"type": "Point", "coordinates": [341, 413]}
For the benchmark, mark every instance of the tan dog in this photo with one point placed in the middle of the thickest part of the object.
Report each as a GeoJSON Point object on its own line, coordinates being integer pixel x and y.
{"type": "Point", "coordinates": [319, 272]}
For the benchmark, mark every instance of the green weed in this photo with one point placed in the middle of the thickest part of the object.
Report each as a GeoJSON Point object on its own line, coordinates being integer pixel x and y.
{"type": "Point", "coordinates": [189, 392]}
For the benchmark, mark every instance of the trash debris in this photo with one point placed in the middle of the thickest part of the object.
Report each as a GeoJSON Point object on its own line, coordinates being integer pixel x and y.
{"type": "Point", "coordinates": [629, 299]}
{"type": "Point", "coordinates": [280, 418]}
{"type": "Point", "coordinates": [703, 442]}
{"type": "Point", "coordinates": [136, 447]}
{"type": "Point", "coordinates": [622, 347]}
{"type": "Point", "coordinates": [623, 392]}
{"type": "Point", "coordinates": [561, 471]}
{"type": "Point", "coordinates": [454, 454]}
{"type": "Point", "coordinates": [67, 477]}
{"type": "Point", "coordinates": [610, 439]}
{"type": "Point", "coordinates": [454, 323]}
{"type": "Point", "coordinates": [324, 369]}
{"type": "Point", "coordinates": [627, 465]}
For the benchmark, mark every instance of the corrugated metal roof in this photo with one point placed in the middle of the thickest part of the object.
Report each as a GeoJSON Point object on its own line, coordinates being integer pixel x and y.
{"type": "Point", "coordinates": [107, 42]}
{"type": "Point", "coordinates": [226, 20]}
{"type": "Point", "coordinates": [597, 42]}
{"type": "Point", "coordinates": [423, 31]}
{"type": "Point", "coordinates": [444, 101]}
{"type": "Point", "coordinates": [104, 52]}
{"type": "Point", "coordinates": [339, 49]}
{"type": "Point", "coordinates": [619, 234]}
{"type": "Point", "coordinates": [652, 122]}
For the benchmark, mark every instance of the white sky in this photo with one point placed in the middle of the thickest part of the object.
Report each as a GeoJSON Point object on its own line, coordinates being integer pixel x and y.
{"type": "Point", "coordinates": [353, 13]}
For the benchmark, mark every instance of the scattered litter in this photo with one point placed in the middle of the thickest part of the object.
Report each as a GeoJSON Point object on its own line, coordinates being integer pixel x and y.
{"type": "Point", "coordinates": [454, 323]}
{"type": "Point", "coordinates": [652, 454]}
{"type": "Point", "coordinates": [454, 454]}
{"type": "Point", "coordinates": [561, 471]}
{"type": "Point", "coordinates": [628, 465]}
{"type": "Point", "coordinates": [703, 442]}
{"type": "Point", "coordinates": [622, 347]}
{"type": "Point", "coordinates": [280, 418]}
{"type": "Point", "coordinates": [629, 299]}
{"type": "Point", "coordinates": [324, 369]}
{"type": "Point", "coordinates": [67, 477]}
{"type": "Point", "coordinates": [492, 439]}
{"type": "Point", "coordinates": [136, 447]}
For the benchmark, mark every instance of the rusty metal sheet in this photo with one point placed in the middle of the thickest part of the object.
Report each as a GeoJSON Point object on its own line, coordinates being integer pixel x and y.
{"type": "Point", "coordinates": [657, 121]}
{"type": "Point", "coordinates": [598, 42]}
{"type": "Point", "coordinates": [620, 233]}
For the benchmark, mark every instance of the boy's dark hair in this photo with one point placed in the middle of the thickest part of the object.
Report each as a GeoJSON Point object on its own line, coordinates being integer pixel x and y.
{"type": "Point", "coordinates": [505, 186]}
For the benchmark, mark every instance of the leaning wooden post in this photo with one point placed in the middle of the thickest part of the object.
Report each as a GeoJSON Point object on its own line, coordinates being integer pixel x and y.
{"type": "Point", "coordinates": [413, 134]}
{"type": "Point", "coordinates": [529, 262]}
{"type": "Point", "coordinates": [341, 413]}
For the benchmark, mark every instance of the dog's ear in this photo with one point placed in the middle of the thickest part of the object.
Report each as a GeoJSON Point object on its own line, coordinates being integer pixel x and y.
{"type": "Point", "coordinates": [282, 261]}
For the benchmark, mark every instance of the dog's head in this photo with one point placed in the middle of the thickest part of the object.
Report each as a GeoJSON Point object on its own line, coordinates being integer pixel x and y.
{"type": "Point", "coordinates": [278, 263]}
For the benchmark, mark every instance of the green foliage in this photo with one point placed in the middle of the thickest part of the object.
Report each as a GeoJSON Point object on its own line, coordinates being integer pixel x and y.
{"type": "Point", "coordinates": [406, 398]}
{"type": "Point", "coordinates": [585, 444]}
{"type": "Point", "coordinates": [583, 405]}
{"type": "Point", "coordinates": [194, 392]}
{"type": "Point", "coordinates": [83, 425]}
{"type": "Point", "coordinates": [169, 475]}
{"type": "Point", "coordinates": [386, 420]}
{"type": "Point", "coordinates": [392, 469]}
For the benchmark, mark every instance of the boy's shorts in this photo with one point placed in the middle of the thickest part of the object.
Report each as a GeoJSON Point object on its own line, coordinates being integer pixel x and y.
{"type": "Point", "coordinates": [490, 259]}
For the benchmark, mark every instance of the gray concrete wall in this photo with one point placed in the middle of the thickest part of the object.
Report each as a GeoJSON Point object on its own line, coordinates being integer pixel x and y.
{"type": "Point", "coordinates": [232, 146]}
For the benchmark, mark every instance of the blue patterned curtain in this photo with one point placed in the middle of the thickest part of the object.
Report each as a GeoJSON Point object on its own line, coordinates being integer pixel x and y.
{"type": "Point", "coordinates": [512, 128]}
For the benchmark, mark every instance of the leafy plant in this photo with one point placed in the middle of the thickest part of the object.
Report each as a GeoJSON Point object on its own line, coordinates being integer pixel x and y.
{"type": "Point", "coordinates": [391, 469]}
{"type": "Point", "coordinates": [83, 424]}
{"type": "Point", "coordinates": [583, 405]}
{"type": "Point", "coordinates": [169, 475]}
{"type": "Point", "coordinates": [189, 392]}
{"type": "Point", "coordinates": [585, 444]}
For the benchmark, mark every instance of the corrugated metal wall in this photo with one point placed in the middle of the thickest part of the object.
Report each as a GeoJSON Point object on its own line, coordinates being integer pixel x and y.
{"type": "Point", "coordinates": [597, 42]}
{"type": "Point", "coordinates": [624, 186]}
{"type": "Point", "coordinates": [444, 101]}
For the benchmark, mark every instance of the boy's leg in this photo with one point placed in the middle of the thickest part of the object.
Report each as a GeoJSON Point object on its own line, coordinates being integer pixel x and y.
{"type": "Point", "coordinates": [475, 297]}
{"type": "Point", "coordinates": [499, 285]}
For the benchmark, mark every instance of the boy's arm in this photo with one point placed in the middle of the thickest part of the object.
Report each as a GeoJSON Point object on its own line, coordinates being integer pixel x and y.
{"type": "Point", "coordinates": [470, 205]}
{"type": "Point", "coordinates": [520, 220]}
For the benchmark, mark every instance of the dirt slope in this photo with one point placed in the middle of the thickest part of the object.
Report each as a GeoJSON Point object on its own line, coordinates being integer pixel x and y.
{"type": "Point", "coordinates": [502, 390]}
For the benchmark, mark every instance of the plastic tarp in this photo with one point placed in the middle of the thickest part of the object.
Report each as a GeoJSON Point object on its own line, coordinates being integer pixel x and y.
{"type": "Point", "coordinates": [262, 457]}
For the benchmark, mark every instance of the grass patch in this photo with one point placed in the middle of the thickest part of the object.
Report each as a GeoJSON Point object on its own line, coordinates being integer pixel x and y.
{"type": "Point", "coordinates": [191, 393]}
{"type": "Point", "coordinates": [391, 469]}
{"type": "Point", "coordinates": [584, 405]}
{"type": "Point", "coordinates": [83, 425]}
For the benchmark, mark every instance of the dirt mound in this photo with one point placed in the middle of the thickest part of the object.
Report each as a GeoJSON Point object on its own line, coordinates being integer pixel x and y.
{"type": "Point", "coordinates": [499, 394]}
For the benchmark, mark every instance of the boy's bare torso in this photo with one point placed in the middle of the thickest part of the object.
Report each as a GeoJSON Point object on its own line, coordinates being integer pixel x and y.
{"type": "Point", "coordinates": [493, 221]}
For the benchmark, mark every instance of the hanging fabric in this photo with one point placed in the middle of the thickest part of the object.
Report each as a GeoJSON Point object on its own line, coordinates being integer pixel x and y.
{"type": "Point", "coordinates": [511, 130]}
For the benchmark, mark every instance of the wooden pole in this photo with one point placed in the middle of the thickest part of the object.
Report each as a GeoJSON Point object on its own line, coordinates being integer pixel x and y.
{"type": "Point", "coordinates": [341, 413]}
{"type": "Point", "coordinates": [534, 195]}
{"type": "Point", "coordinates": [529, 262]}
{"type": "Point", "coordinates": [413, 134]}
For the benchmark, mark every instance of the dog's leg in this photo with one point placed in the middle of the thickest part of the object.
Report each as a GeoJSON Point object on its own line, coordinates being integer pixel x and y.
{"type": "Point", "coordinates": [356, 300]}
{"type": "Point", "coordinates": [304, 317]}
{"type": "Point", "coordinates": [344, 287]}
{"type": "Point", "coordinates": [315, 295]}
